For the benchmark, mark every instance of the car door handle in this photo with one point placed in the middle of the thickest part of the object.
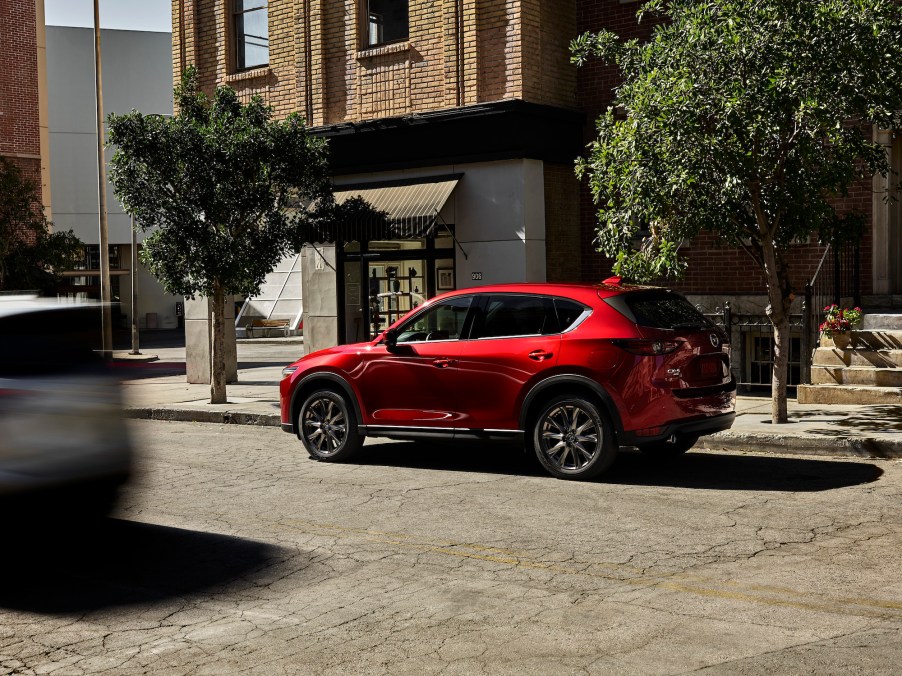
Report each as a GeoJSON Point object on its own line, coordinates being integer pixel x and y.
{"type": "Point", "coordinates": [442, 362]}
{"type": "Point", "coordinates": [540, 355]}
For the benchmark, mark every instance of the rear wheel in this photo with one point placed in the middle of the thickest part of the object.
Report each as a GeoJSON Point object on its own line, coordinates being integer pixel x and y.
{"type": "Point", "coordinates": [573, 439]}
{"type": "Point", "coordinates": [670, 449]}
{"type": "Point", "coordinates": [327, 427]}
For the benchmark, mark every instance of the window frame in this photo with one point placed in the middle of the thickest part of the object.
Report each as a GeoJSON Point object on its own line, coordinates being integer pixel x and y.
{"type": "Point", "coordinates": [365, 29]}
{"type": "Point", "coordinates": [237, 38]}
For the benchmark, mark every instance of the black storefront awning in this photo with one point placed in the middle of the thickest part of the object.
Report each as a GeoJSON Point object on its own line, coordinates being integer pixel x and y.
{"type": "Point", "coordinates": [411, 207]}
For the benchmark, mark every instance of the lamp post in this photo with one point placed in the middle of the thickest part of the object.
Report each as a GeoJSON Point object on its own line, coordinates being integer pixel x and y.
{"type": "Point", "coordinates": [134, 267]}
{"type": "Point", "coordinates": [105, 299]}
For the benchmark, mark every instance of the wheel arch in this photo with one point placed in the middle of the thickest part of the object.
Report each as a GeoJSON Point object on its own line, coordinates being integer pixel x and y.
{"type": "Point", "coordinates": [327, 380]}
{"type": "Point", "coordinates": [569, 384]}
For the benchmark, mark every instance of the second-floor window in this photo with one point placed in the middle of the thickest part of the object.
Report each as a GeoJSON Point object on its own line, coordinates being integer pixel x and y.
{"type": "Point", "coordinates": [387, 21]}
{"type": "Point", "coordinates": [251, 23]}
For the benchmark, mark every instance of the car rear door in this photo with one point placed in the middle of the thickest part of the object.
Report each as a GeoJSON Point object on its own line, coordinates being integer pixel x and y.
{"type": "Point", "coordinates": [515, 338]}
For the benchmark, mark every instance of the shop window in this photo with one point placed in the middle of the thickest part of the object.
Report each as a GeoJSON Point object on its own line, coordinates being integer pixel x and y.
{"type": "Point", "coordinates": [386, 21]}
{"type": "Point", "coordinates": [251, 26]}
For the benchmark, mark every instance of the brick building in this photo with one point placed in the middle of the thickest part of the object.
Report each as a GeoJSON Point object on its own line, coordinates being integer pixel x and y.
{"type": "Point", "coordinates": [461, 118]}
{"type": "Point", "coordinates": [23, 91]}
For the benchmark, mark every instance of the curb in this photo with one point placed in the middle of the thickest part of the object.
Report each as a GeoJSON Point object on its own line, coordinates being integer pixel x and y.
{"type": "Point", "coordinates": [219, 417]}
{"type": "Point", "coordinates": [860, 447]}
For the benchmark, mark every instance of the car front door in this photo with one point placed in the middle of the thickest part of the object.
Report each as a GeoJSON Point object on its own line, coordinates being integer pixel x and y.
{"type": "Point", "coordinates": [515, 338]}
{"type": "Point", "coordinates": [415, 382]}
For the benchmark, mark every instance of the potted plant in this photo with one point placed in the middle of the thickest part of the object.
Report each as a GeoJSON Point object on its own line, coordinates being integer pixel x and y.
{"type": "Point", "coordinates": [838, 322]}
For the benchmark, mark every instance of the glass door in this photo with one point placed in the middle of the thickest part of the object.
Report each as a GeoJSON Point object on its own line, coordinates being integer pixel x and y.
{"type": "Point", "coordinates": [384, 280]}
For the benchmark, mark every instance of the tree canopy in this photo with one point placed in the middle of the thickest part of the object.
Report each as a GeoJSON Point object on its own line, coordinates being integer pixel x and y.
{"type": "Point", "coordinates": [215, 185]}
{"type": "Point", "coordinates": [225, 191]}
{"type": "Point", "coordinates": [746, 119]}
{"type": "Point", "coordinates": [31, 256]}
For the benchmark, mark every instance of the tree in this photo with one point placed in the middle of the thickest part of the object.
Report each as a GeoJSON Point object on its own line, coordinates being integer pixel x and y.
{"type": "Point", "coordinates": [214, 185]}
{"type": "Point", "coordinates": [743, 118]}
{"type": "Point", "coordinates": [31, 256]}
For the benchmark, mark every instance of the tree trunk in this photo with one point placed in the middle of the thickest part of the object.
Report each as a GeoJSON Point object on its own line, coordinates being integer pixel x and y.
{"type": "Point", "coordinates": [779, 301]}
{"type": "Point", "coordinates": [217, 348]}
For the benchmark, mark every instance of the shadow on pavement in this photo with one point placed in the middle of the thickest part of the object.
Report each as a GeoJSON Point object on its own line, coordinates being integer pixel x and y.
{"type": "Point", "coordinates": [118, 563]}
{"type": "Point", "coordinates": [726, 472]}
{"type": "Point", "coordinates": [710, 471]}
{"type": "Point", "coordinates": [880, 419]}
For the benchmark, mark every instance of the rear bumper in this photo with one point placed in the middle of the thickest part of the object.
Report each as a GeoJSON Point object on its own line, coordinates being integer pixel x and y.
{"type": "Point", "coordinates": [288, 427]}
{"type": "Point", "coordinates": [700, 427]}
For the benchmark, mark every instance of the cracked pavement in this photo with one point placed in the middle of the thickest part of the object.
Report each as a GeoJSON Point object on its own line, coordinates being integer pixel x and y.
{"type": "Point", "coordinates": [231, 552]}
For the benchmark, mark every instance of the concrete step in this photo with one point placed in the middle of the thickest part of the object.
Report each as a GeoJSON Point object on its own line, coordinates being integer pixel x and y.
{"type": "Point", "coordinates": [868, 339]}
{"type": "Point", "coordinates": [856, 375]}
{"type": "Point", "coordinates": [882, 321]}
{"type": "Point", "coordinates": [845, 394]}
{"type": "Point", "coordinates": [879, 359]}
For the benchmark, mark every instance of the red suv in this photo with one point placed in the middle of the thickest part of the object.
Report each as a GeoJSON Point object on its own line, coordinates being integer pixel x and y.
{"type": "Point", "coordinates": [575, 371]}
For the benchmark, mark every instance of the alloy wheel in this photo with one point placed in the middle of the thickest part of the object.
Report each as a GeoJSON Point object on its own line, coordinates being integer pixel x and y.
{"type": "Point", "coordinates": [570, 437]}
{"type": "Point", "coordinates": [324, 425]}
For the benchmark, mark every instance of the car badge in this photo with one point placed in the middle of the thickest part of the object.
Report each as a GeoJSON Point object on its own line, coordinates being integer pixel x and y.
{"type": "Point", "coordinates": [715, 341]}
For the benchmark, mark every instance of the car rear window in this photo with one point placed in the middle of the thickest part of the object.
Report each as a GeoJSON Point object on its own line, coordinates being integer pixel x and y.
{"type": "Point", "coordinates": [661, 310]}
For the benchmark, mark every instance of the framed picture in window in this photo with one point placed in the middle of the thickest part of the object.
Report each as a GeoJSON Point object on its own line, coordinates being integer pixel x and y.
{"type": "Point", "coordinates": [444, 279]}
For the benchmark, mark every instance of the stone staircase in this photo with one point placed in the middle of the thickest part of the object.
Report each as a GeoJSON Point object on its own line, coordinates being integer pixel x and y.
{"type": "Point", "coordinates": [867, 371]}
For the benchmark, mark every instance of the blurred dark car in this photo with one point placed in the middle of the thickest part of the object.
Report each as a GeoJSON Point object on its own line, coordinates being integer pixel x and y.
{"type": "Point", "coordinates": [64, 446]}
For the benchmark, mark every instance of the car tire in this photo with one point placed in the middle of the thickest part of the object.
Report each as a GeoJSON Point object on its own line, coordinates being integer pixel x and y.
{"type": "Point", "coordinates": [573, 438]}
{"type": "Point", "coordinates": [327, 427]}
{"type": "Point", "coordinates": [667, 449]}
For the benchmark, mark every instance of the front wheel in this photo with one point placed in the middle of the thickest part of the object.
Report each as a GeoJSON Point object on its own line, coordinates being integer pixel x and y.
{"type": "Point", "coordinates": [327, 427]}
{"type": "Point", "coordinates": [573, 439]}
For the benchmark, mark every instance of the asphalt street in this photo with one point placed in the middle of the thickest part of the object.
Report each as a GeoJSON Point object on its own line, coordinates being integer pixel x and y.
{"type": "Point", "coordinates": [232, 552]}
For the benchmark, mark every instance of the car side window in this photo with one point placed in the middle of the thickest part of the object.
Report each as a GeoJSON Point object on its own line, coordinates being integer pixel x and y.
{"type": "Point", "coordinates": [568, 312]}
{"type": "Point", "coordinates": [517, 315]}
{"type": "Point", "coordinates": [443, 321]}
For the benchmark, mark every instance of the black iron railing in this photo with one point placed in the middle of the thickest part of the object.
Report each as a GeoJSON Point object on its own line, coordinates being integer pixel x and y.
{"type": "Point", "coordinates": [836, 280]}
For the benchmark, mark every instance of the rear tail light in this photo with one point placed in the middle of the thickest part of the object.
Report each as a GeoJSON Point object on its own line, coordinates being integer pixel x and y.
{"type": "Point", "coordinates": [645, 347]}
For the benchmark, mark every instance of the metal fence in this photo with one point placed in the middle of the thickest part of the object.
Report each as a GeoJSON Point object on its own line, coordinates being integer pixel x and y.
{"type": "Point", "coordinates": [836, 280]}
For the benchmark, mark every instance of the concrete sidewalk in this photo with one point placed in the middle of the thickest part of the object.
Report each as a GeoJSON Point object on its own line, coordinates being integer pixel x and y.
{"type": "Point", "coordinates": [155, 388]}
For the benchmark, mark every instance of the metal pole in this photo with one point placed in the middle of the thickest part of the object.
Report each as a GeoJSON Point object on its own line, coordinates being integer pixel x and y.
{"type": "Point", "coordinates": [101, 197]}
{"type": "Point", "coordinates": [135, 349]}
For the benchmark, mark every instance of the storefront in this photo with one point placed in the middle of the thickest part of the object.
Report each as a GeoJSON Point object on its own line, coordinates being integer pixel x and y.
{"type": "Point", "coordinates": [445, 228]}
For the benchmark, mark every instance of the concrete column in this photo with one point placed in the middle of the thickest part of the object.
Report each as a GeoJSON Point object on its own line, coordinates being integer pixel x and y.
{"type": "Point", "coordinates": [319, 289]}
{"type": "Point", "coordinates": [198, 338]}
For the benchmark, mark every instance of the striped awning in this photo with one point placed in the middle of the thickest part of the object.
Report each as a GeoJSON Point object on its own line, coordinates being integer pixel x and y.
{"type": "Point", "coordinates": [411, 206]}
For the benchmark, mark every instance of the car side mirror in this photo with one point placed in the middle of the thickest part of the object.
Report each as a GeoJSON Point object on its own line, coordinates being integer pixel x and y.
{"type": "Point", "coordinates": [390, 338]}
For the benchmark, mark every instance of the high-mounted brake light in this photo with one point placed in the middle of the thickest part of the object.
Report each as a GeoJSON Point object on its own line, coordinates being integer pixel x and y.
{"type": "Point", "coordinates": [613, 281]}
{"type": "Point", "coordinates": [646, 348]}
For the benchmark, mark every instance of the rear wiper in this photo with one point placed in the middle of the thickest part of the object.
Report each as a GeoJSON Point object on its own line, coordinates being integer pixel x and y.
{"type": "Point", "coordinates": [689, 325]}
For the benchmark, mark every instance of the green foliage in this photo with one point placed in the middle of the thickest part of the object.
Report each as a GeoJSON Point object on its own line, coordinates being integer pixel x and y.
{"type": "Point", "coordinates": [216, 185]}
{"type": "Point", "coordinates": [745, 118]}
{"type": "Point", "coordinates": [31, 257]}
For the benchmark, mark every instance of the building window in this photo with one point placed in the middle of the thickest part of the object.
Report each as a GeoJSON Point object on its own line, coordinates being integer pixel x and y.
{"type": "Point", "coordinates": [251, 33]}
{"type": "Point", "coordinates": [386, 21]}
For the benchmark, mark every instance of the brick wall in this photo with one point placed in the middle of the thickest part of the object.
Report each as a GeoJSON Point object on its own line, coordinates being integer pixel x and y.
{"type": "Point", "coordinates": [459, 52]}
{"type": "Point", "coordinates": [20, 134]}
{"type": "Point", "coordinates": [563, 252]}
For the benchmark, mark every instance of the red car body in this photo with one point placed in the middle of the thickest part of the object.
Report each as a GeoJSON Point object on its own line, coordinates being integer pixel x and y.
{"type": "Point", "coordinates": [616, 350]}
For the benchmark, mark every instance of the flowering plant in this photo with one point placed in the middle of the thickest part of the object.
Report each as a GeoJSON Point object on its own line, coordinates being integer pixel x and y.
{"type": "Point", "coordinates": [840, 319]}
